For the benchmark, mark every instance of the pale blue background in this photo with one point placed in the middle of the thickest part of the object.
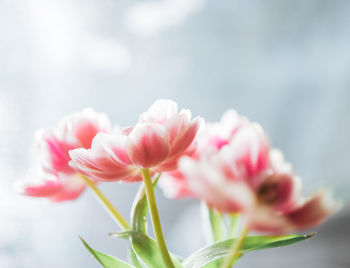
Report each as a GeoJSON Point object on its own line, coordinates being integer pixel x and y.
{"type": "Point", "coordinates": [284, 64]}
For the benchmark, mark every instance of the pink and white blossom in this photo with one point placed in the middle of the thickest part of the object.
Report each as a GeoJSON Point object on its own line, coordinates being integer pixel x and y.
{"type": "Point", "coordinates": [157, 141]}
{"type": "Point", "coordinates": [231, 131]}
{"type": "Point", "coordinates": [53, 177]}
{"type": "Point", "coordinates": [236, 171]}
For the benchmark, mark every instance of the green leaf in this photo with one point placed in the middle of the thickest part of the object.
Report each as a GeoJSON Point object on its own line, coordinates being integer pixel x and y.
{"type": "Point", "coordinates": [135, 260]}
{"type": "Point", "coordinates": [106, 261]}
{"type": "Point", "coordinates": [146, 249]}
{"type": "Point", "coordinates": [139, 209]}
{"type": "Point", "coordinates": [138, 218]}
{"type": "Point", "coordinates": [221, 249]}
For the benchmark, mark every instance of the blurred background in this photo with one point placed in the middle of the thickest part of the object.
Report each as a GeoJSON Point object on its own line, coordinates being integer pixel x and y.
{"type": "Point", "coordinates": [284, 64]}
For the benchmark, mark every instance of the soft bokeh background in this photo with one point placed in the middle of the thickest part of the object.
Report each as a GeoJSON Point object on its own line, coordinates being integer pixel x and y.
{"type": "Point", "coordinates": [283, 63]}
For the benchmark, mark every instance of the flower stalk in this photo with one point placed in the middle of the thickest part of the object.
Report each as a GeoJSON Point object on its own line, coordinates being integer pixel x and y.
{"type": "Point", "coordinates": [235, 249]}
{"type": "Point", "coordinates": [105, 202]}
{"type": "Point", "coordinates": [147, 178]}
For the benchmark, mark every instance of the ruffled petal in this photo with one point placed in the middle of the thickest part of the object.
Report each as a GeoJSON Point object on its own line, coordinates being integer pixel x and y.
{"type": "Point", "coordinates": [208, 183]}
{"type": "Point", "coordinates": [57, 188]}
{"type": "Point", "coordinates": [182, 132]}
{"type": "Point", "coordinates": [219, 134]}
{"type": "Point", "coordinates": [159, 112]}
{"type": "Point", "coordinates": [72, 187]}
{"type": "Point", "coordinates": [46, 189]}
{"type": "Point", "coordinates": [280, 191]}
{"type": "Point", "coordinates": [248, 154]}
{"type": "Point", "coordinates": [267, 220]}
{"type": "Point", "coordinates": [83, 126]}
{"type": "Point", "coordinates": [148, 145]}
{"type": "Point", "coordinates": [53, 152]}
{"type": "Point", "coordinates": [107, 159]}
{"type": "Point", "coordinates": [314, 211]}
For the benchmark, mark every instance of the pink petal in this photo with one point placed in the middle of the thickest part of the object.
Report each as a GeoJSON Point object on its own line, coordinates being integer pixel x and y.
{"type": "Point", "coordinates": [174, 185]}
{"type": "Point", "coordinates": [85, 133]}
{"type": "Point", "coordinates": [105, 160]}
{"type": "Point", "coordinates": [83, 127]}
{"type": "Point", "coordinates": [181, 132]}
{"type": "Point", "coordinates": [280, 191]}
{"type": "Point", "coordinates": [311, 213]}
{"type": "Point", "coordinates": [248, 154]}
{"type": "Point", "coordinates": [54, 152]}
{"type": "Point", "coordinates": [148, 145]}
{"type": "Point", "coordinates": [218, 142]}
{"type": "Point", "coordinates": [57, 188]}
{"type": "Point", "coordinates": [314, 211]}
{"type": "Point", "coordinates": [219, 134]}
{"type": "Point", "coordinates": [207, 182]}
{"type": "Point", "coordinates": [267, 220]}
{"type": "Point", "coordinates": [172, 163]}
{"type": "Point", "coordinates": [67, 195]}
{"type": "Point", "coordinates": [72, 187]}
{"type": "Point", "coordinates": [46, 189]}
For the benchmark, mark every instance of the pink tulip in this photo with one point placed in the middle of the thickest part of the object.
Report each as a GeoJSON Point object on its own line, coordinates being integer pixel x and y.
{"type": "Point", "coordinates": [158, 140]}
{"type": "Point", "coordinates": [54, 178]}
{"type": "Point", "coordinates": [230, 131]}
{"type": "Point", "coordinates": [240, 173]}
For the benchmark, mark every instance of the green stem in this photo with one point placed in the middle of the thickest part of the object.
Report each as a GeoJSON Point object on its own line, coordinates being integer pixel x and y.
{"type": "Point", "coordinates": [147, 178]}
{"type": "Point", "coordinates": [234, 224]}
{"type": "Point", "coordinates": [108, 206]}
{"type": "Point", "coordinates": [235, 249]}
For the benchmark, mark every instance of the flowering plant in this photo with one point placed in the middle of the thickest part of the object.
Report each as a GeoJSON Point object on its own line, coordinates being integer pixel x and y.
{"type": "Point", "coordinates": [244, 184]}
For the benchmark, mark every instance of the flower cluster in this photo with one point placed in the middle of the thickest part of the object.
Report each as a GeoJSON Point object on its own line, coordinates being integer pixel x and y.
{"type": "Point", "coordinates": [229, 165]}
{"type": "Point", "coordinates": [161, 136]}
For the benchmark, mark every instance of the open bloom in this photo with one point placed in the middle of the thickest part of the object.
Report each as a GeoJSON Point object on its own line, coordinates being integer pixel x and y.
{"type": "Point", "coordinates": [53, 177]}
{"type": "Point", "coordinates": [213, 138]}
{"type": "Point", "coordinates": [246, 176]}
{"type": "Point", "coordinates": [158, 140]}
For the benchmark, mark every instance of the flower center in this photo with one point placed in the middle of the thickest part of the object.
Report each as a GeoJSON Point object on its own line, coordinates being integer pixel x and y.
{"type": "Point", "coordinates": [268, 192]}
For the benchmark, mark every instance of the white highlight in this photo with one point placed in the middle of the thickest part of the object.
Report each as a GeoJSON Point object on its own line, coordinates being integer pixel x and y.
{"type": "Point", "coordinates": [153, 17]}
{"type": "Point", "coordinates": [62, 41]}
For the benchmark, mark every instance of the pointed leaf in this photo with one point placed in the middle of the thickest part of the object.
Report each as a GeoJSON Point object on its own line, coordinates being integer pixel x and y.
{"type": "Point", "coordinates": [221, 249]}
{"type": "Point", "coordinates": [138, 218]}
{"type": "Point", "coordinates": [147, 249]}
{"type": "Point", "coordinates": [139, 211]}
{"type": "Point", "coordinates": [105, 260]}
{"type": "Point", "coordinates": [135, 260]}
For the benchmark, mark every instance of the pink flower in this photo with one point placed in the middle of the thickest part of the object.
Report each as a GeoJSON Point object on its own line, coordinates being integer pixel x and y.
{"type": "Point", "coordinates": [54, 178]}
{"type": "Point", "coordinates": [230, 131]}
{"type": "Point", "coordinates": [158, 140]}
{"type": "Point", "coordinates": [246, 176]}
